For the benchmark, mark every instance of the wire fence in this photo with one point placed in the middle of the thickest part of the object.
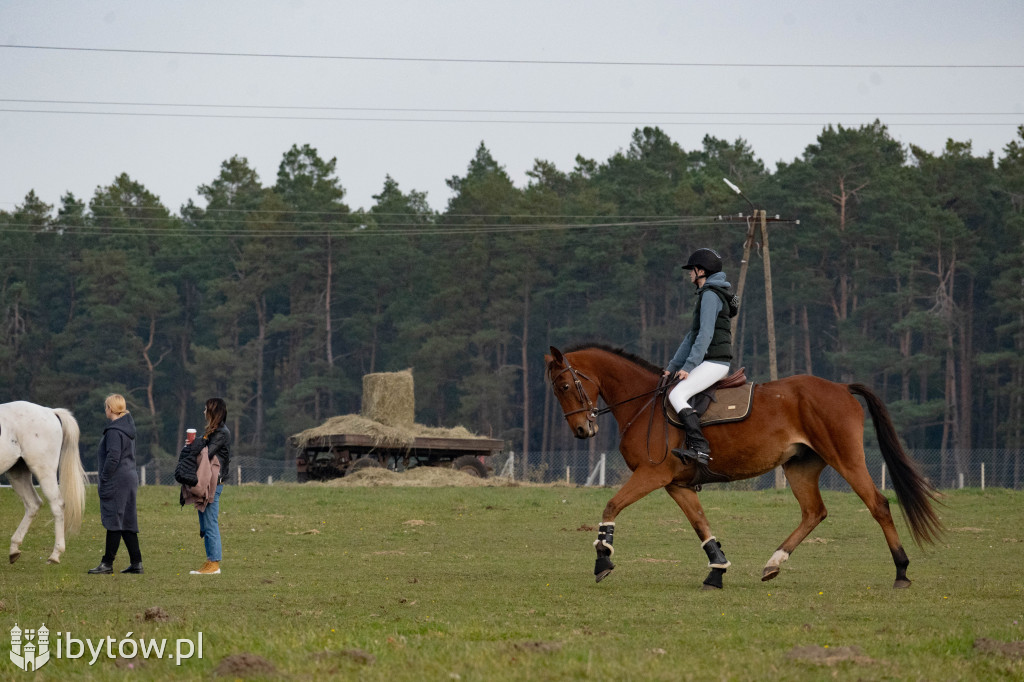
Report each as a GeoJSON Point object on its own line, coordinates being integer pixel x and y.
{"type": "Point", "coordinates": [967, 469]}
{"type": "Point", "coordinates": [979, 468]}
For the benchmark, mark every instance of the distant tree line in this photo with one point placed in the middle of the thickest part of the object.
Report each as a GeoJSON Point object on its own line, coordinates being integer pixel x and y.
{"type": "Point", "coordinates": [906, 272]}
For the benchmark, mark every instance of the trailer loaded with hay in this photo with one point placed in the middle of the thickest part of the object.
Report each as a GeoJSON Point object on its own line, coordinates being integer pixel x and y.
{"type": "Point", "coordinates": [386, 435]}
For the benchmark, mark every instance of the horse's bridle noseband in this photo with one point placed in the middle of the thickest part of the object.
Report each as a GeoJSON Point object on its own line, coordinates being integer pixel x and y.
{"type": "Point", "coordinates": [591, 409]}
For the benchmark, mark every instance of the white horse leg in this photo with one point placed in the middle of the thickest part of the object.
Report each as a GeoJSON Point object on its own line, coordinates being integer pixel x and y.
{"type": "Point", "coordinates": [20, 479]}
{"type": "Point", "coordinates": [52, 492]}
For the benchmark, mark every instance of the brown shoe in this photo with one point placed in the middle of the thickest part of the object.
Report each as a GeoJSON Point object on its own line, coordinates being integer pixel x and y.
{"type": "Point", "coordinates": [209, 568]}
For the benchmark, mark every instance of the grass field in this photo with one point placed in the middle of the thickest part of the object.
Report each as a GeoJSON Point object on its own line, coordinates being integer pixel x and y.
{"type": "Point", "coordinates": [474, 583]}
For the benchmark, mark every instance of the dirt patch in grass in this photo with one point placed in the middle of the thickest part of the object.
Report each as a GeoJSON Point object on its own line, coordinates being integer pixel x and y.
{"type": "Point", "coordinates": [821, 655]}
{"type": "Point", "coordinates": [356, 655]}
{"type": "Point", "coordinates": [129, 663]}
{"type": "Point", "coordinates": [1008, 649]}
{"type": "Point", "coordinates": [538, 647]}
{"type": "Point", "coordinates": [156, 614]}
{"type": "Point", "coordinates": [359, 656]}
{"type": "Point", "coordinates": [243, 666]}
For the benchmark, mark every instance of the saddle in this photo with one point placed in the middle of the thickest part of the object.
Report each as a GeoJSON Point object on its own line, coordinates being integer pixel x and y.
{"type": "Point", "coordinates": [728, 400]}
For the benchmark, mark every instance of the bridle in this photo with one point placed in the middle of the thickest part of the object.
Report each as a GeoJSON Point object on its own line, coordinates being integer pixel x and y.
{"type": "Point", "coordinates": [591, 409]}
{"type": "Point", "coordinates": [593, 412]}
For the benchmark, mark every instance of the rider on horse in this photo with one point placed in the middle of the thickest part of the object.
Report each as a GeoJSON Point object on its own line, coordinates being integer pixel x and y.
{"type": "Point", "coordinates": [704, 355]}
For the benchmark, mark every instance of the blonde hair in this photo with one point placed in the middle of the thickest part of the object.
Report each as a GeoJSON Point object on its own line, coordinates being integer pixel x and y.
{"type": "Point", "coordinates": [116, 404]}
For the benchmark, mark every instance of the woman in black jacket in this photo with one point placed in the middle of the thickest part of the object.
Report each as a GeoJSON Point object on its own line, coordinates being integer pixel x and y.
{"type": "Point", "coordinates": [118, 484]}
{"type": "Point", "coordinates": [217, 439]}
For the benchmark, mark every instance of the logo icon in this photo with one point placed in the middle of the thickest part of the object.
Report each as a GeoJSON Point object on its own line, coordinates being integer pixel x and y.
{"type": "Point", "coordinates": [30, 649]}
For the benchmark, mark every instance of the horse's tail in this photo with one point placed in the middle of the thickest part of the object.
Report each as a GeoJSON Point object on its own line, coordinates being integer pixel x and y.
{"type": "Point", "coordinates": [913, 490]}
{"type": "Point", "coordinates": [72, 475]}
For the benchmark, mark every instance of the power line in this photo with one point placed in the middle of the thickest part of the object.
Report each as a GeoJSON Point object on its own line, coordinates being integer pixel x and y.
{"type": "Point", "coordinates": [377, 119]}
{"type": "Point", "coordinates": [402, 229]}
{"type": "Point", "coordinates": [560, 112]}
{"type": "Point", "coordinates": [241, 213]}
{"type": "Point", "coordinates": [553, 62]}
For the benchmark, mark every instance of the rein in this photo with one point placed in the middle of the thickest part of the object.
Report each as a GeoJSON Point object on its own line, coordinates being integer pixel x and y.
{"type": "Point", "coordinates": [593, 412]}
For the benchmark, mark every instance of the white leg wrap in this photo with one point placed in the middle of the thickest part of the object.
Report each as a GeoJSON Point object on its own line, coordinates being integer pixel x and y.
{"type": "Point", "coordinates": [777, 558]}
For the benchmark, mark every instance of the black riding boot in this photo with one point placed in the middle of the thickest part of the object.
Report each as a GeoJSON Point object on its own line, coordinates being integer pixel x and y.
{"type": "Point", "coordinates": [699, 449]}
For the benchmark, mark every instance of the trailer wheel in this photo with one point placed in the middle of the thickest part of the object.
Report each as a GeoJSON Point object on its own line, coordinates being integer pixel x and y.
{"type": "Point", "coordinates": [469, 464]}
{"type": "Point", "coordinates": [363, 463]}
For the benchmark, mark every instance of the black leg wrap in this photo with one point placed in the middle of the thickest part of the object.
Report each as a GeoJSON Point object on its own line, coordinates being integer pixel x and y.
{"type": "Point", "coordinates": [603, 566]}
{"type": "Point", "coordinates": [714, 579]}
{"type": "Point", "coordinates": [716, 557]}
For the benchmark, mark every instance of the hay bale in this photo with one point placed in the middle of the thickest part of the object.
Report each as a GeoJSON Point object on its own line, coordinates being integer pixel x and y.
{"type": "Point", "coordinates": [382, 435]}
{"type": "Point", "coordinates": [388, 398]}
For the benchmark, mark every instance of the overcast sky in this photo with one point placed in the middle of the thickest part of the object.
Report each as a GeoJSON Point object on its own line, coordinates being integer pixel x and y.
{"type": "Point", "coordinates": [411, 89]}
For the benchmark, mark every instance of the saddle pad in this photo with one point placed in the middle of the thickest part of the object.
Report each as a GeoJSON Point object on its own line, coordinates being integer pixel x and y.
{"type": "Point", "coordinates": [729, 405]}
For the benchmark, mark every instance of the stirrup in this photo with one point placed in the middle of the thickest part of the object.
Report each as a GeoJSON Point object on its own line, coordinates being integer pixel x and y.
{"type": "Point", "coordinates": [697, 456]}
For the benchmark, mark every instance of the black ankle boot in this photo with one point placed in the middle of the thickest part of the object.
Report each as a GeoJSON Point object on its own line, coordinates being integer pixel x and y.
{"type": "Point", "coordinates": [133, 568]}
{"type": "Point", "coordinates": [104, 568]}
{"type": "Point", "coordinates": [699, 449]}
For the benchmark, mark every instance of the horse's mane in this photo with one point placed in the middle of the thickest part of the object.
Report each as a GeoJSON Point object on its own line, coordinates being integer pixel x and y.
{"type": "Point", "coordinates": [635, 359]}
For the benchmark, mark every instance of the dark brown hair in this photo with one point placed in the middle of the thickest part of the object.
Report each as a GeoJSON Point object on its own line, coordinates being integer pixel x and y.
{"type": "Point", "coordinates": [216, 414]}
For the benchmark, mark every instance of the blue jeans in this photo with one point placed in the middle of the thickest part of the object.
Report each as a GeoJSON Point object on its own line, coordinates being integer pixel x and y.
{"type": "Point", "coordinates": [209, 526]}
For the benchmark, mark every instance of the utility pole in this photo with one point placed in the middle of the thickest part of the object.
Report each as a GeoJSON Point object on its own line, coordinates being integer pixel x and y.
{"type": "Point", "coordinates": [773, 360]}
{"type": "Point", "coordinates": [748, 242]}
{"type": "Point", "coordinates": [760, 216]}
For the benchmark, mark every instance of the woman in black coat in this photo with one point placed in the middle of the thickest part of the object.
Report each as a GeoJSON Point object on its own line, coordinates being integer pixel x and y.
{"type": "Point", "coordinates": [217, 439]}
{"type": "Point", "coordinates": [118, 485]}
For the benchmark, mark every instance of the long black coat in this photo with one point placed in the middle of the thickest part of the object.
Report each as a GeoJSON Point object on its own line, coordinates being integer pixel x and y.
{"type": "Point", "coordinates": [118, 479]}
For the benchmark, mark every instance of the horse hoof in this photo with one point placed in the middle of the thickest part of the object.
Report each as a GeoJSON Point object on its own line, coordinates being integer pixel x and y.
{"type": "Point", "coordinates": [901, 584]}
{"type": "Point", "coordinates": [769, 573]}
{"type": "Point", "coordinates": [705, 587]}
{"type": "Point", "coordinates": [51, 560]}
{"type": "Point", "coordinates": [14, 556]}
{"type": "Point", "coordinates": [602, 575]}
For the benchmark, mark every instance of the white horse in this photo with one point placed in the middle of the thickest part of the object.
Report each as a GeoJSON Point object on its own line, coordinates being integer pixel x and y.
{"type": "Point", "coordinates": [43, 441]}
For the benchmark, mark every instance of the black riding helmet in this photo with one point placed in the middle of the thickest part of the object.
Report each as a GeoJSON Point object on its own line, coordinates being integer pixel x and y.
{"type": "Point", "coordinates": [707, 260]}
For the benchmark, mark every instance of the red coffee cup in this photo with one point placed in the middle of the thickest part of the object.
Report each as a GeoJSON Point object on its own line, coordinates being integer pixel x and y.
{"type": "Point", "coordinates": [190, 435]}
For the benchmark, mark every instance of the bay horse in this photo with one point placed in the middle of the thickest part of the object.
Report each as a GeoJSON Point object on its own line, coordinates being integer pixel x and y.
{"type": "Point", "coordinates": [802, 423]}
{"type": "Point", "coordinates": [43, 441]}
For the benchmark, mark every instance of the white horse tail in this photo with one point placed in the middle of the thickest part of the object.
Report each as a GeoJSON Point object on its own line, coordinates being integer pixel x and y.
{"type": "Point", "coordinates": [72, 475]}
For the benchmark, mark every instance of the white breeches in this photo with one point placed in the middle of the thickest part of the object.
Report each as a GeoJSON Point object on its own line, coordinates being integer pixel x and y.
{"type": "Point", "coordinates": [700, 377]}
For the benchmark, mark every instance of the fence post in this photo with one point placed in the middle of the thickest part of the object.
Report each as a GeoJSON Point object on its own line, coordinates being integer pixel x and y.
{"type": "Point", "coordinates": [982, 475]}
{"type": "Point", "coordinates": [270, 480]}
{"type": "Point", "coordinates": [567, 474]}
{"type": "Point", "coordinates": [602, 465]}
{"type": "Point", "coordinates": [509, 470]}
{"type": "Point", "coordinates": [239, 469]}
{"type": "Point", "coordinates": [960, 478]}
{"type": "Point", "coordinates": [883, 477]}
{"type": "Point", "coordinates": [142, 476]}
